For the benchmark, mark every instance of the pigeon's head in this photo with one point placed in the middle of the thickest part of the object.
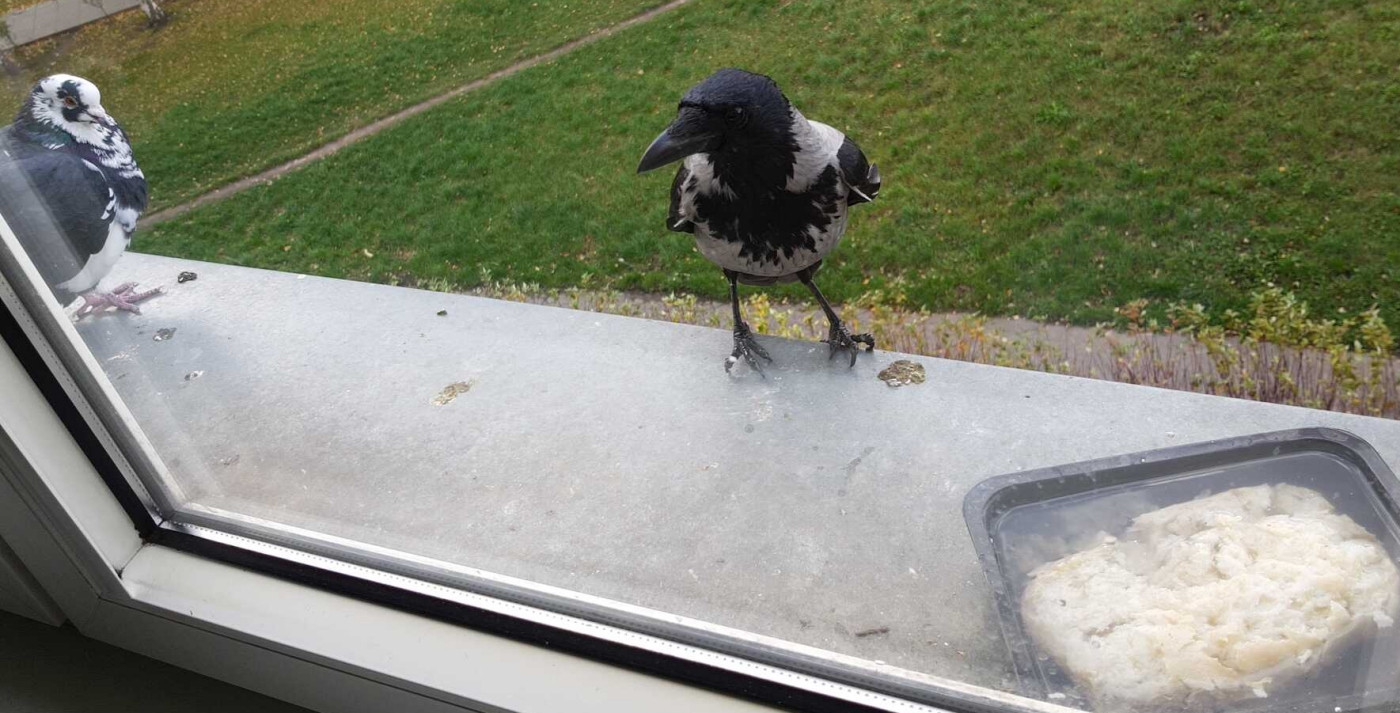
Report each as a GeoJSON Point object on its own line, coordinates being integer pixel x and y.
{"type": "Point", "coordinates": [66, 102]}
{"type": "Point", "coordinates": [731, 109]}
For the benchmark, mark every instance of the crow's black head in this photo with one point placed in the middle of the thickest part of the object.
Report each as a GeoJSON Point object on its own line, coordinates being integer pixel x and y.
{"type": "Point", "coordinates": [731, 111]}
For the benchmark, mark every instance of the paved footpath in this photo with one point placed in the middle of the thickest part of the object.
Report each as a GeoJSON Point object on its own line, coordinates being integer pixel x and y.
{"type": "Point", "coordinates": [54, 16]}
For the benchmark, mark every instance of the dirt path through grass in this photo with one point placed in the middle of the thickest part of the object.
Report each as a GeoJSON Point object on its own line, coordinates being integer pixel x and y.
{"type": "Point", "coordinates": [1054, 163]}
{"type": "Point", "coordinates": [375, 127]}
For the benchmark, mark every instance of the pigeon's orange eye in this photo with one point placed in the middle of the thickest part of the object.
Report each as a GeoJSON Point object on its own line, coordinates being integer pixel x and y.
{"type": "Point", "coordinates": [70, 102]}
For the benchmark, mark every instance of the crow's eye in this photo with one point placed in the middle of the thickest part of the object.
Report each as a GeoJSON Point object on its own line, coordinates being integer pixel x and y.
{"type": "Point", "coordinates": [70, 102]}
{"type": "Point", "coordinates": [736, 116]}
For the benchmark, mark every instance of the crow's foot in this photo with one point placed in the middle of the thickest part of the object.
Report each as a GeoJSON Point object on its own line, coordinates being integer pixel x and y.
{"type": "Point", "coordinates": [746, 347]}
{"type": "Point", "coordinates": [122, 298]}
{"type": "Point", "coordinates": [841, 339]}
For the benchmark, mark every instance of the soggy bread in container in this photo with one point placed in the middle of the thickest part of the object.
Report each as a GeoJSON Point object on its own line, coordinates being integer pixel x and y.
{"type": "Point", "coordinates": [1213, 600]}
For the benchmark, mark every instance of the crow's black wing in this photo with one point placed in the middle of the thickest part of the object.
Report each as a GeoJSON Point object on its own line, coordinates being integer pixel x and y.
{"type": "Point", "coordinates": [674, 221]}
{"type": "Point", "coordinates": [861, 176]}
{"type": "Point", "coordinates": [59, 207]}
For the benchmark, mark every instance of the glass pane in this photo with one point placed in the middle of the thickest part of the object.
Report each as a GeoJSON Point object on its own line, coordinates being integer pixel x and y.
{"type": "Point", "coordinates": [622, 468]}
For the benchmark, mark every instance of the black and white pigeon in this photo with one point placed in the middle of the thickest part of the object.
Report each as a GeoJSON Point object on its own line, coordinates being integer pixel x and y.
{"type": "Point", "coordinates": [72, 191]}
{"type": "Point", "coordinates": [764, 190]}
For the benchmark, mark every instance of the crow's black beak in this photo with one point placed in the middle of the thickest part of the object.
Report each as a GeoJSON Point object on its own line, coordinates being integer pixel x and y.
{"type": "Point", "coordinates": [687, 135]}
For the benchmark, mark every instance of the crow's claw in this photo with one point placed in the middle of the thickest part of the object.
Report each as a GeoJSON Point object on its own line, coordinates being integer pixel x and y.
{"type": "Point", "coordinates": [746, 347]}
{"type": "Point", "coordinates": [841, 339]}
{"type": "Point", "coordinates": [121, 298]}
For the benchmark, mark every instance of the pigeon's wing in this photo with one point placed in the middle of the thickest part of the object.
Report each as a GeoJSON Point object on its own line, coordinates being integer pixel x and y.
{"type": "Point", "coordinates": [674, 220]}
{"type": "Point", "coordinates": [862, 177]}
{"type": "Point", "coordinates": [59, 207]}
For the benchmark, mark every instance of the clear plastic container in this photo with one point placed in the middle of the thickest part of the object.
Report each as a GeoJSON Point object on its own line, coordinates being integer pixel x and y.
{"type": "Point", "coordinates": [1022, 520]}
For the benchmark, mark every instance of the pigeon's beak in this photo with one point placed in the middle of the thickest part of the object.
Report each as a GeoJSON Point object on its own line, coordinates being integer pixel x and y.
{"type": "Point", "coordinates": [688, 134]}
{"type": "Point", "coordinates": [99, 114]}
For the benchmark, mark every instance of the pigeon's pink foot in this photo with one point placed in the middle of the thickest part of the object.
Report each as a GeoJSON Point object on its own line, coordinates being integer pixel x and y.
{"type": "Point", "coordinates": [122, 298]}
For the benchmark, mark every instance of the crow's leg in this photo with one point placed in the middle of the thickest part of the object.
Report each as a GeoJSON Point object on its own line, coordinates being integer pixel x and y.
{"type": "Point", "coordinates": [122, 298]}
{"type": "Point", "coordinates": [745, 345]}
{"type": "Point", "coordinates": [839, 338]}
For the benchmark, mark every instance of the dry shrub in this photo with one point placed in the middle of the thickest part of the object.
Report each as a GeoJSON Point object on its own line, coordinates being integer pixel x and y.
{"type": "Point", "coordinates": [1276, 352]}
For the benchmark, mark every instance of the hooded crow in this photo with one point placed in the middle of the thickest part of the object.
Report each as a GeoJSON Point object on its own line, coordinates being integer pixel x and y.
{"type": "Point", "coordinates": [67, 151]}
{"type": "Point", "coordinates": [764, 190]}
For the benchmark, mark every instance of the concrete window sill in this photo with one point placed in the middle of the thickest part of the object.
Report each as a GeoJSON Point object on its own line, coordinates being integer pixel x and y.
{"type": "Point", "coordinates": [614, 457]}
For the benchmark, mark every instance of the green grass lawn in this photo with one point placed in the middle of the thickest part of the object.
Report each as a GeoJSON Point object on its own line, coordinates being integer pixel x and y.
{"type": "Point", "coordinates": [1048, 159]}
{"type": "Point", "coordinates": [229, 88]}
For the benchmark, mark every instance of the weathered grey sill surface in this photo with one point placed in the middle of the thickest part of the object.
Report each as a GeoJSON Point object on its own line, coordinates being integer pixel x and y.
{"type": "Point", "coordinates": [613, 456]}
